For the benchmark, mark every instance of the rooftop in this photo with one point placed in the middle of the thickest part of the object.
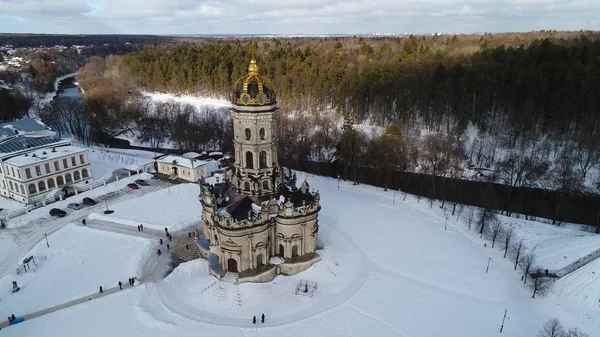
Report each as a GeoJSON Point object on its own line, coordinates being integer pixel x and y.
{"type": "Point", "coordinates": [22, 127]}
{"type": "Point", "coordinates": [181, 161]}
{"type": "Point", "coordinates": [43, 155]}
{"type": "Point", "coordinates": [21, 143]}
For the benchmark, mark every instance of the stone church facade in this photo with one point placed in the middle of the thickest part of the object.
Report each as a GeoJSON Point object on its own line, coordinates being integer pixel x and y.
{"type": "Point", "coordinates": [258, 223]}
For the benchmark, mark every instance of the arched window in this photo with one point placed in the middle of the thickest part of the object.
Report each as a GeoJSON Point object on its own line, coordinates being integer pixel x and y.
{"type": "Point", "coordinates": [84, 173]}
{"type": "Point", "coordinates": [248, 134]}
{"type": "Point", "coordinates": [76, 176]}
{"type": "Point", "coordinates": [259, 260]}
{"type": "Point", "coordinates": [261, 133]}
{"type": "Point", "coordinates": [41, 186]}
{"type": "Point", "coordinates": [31, 189]}
{"type": "Point", "coordinates": [262, 159]}
{"type": "Point", "coordinates": [22, 190]}
{"type": "Point", "coordinates": [68, 178]}
{"type": "Point", "coordinates": [249, 160]}
{"type": "Point", "coordinates": [247, 186]}
{"type": "Point", "coordinates": [51, 183]}
{"type": "Point", "coordinates": [294, 251]}
{"type": "Point", "coordinates": [60, 181]}
{"type": "Point", "coordinates": [265, 185]}
{"type": "Point", "coordinates": [11, 185]}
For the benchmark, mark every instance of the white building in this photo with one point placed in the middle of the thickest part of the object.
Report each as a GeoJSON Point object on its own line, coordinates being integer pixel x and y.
{"type": "Point", "coordinates": [29, 176]}
{"type": "Point", "coordinates": [179, 167]}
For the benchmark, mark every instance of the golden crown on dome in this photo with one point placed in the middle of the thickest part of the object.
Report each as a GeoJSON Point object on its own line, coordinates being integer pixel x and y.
{"type": "Point", "coordinates": [254, 89]}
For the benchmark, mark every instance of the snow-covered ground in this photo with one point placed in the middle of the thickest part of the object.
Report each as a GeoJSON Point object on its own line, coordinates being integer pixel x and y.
{"type": "Point", "coordinates": [77, 263]}
{"type": "Point", "coordinates": [200, 103]}
{"type": "Point", "coordinates": [170, 207]}
{"type": "Point", "coordinates": [389, 268]}
{"type": "Point", "coordinates": [105, 160]}
{"type": "Point", "coordinates": [554, 247]}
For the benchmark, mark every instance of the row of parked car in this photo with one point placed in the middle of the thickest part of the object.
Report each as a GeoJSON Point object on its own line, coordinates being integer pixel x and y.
{"type": "Point", "coordinates": [91, 202]}
{"type": "Point", "coordinates": [74, 205]}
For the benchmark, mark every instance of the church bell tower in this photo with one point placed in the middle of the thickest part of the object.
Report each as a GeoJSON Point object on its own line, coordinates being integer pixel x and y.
{"type": "Point", "coordinates": [254, 105]}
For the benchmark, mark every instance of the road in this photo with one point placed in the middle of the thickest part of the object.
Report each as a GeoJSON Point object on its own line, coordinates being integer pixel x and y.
{"type": "Point", "coordinates": [26, 236]}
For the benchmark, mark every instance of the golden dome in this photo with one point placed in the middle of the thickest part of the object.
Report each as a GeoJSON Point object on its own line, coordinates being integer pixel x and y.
{"type": "Point", "coordinates": [253, 89]}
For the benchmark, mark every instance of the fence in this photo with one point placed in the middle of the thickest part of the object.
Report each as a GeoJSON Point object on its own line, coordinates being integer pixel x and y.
{"type": "Point", "coordinates": [117, 175]}
{"type": "Point", "coordinates": [306, 288]}
{"type": "Point", "coordinates": [31, 264]}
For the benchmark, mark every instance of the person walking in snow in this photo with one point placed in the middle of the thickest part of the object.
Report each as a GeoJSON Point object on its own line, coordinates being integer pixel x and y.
{"type": "Point", "coordinates": [170, 237]}
{"type": "Point", "coordinates": [83, 222]}
{"type": "Point", "coordinates": [120, 285]}
{"type": "Point", "coordinates": [168, 247]}
{"type": "Point", "coordinates": [158, 252]}
{"type": "Point", "coordinates": [142, 227]}
{"type": "Point", "coordinates": [161, 242]}
{"type": "Point", "coordinates": [101, 291]}
{"type": "Point", "coordinates": [166, 231]}
{"type": "Point", "coordinates": [189, 234]}
{"type": "Point", "coordinates": [139, 228]}
{"type": "Point", "coordinates": [129, 280]}
{"type": "Point", "coordinates": [254, 320]}
{"type": "Point", "coordinates": [262, 318]}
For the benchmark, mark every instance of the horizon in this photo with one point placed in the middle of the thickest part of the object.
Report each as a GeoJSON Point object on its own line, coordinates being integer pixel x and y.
{"type": "Point", "coordinates": [307, 17]}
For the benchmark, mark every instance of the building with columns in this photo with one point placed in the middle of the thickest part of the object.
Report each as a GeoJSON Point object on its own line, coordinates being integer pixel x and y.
{"type": "Point", "coordinates": [258, 223]}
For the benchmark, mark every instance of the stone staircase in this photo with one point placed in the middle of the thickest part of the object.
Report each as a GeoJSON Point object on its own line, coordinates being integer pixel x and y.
{"type": "Point", "coordinates": [577, 264]}
{"type": "Point", "coordinates": [230, 278]}
{"type": "Point", "coordinates": [186, 254]}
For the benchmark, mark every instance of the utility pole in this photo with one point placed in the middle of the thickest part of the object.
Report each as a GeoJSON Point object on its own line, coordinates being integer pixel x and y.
{"type": "Point", "coordinates": [488, 265]}
{"type": "Point", "coordinates": [339, 182]}
{"type": "Point", "coordinates": [446, 225]}
{"type": "Point", "coordinates": [503, 318]}
{"type": "Point", "coordinates": [46, 236]}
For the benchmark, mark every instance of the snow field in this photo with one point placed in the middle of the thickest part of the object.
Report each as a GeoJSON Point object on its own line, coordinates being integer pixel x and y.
{"type": "Point", "coordinates": [78, 262]}
{"type": "Point", "coordinates": [174, 207]}
{"type": "Point", "coordinates": [388, 269]}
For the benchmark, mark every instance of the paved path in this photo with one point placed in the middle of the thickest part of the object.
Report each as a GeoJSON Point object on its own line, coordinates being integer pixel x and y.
{"type": "Point", "coordinates": [94, 296]}
{"type": "Point", "coordinates": [155, 269]}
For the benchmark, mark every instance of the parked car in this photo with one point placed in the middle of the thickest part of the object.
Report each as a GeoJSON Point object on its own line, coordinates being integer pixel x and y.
{"type": "Point", "coordinates": [57, 212]}
{"type": "Point", "coordinates": [88, 201]}
{"type": "Point", "coordinates": [133, 186]}
{"type": "Point", "coordinates": [75, 205]}
{"type": "Point", "coordinates": [142, 182]}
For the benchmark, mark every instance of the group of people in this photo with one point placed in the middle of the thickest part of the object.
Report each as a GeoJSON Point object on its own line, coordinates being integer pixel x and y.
{"type": "Point", "coordinates": [131, 283]}
{"type": "Point", "coordinates": [262, 319]}
{"type": "Point", "coordinates": [140, 228]}
{"type": "Point", "coordinates": [11, 318]}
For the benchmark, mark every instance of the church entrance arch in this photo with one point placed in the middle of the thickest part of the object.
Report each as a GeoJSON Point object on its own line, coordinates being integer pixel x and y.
{"type": "Point", "coordinates": [232, 265]}
{"type": "Point", "coordinates": [294, 251]}
{"type": "Point", "coordinates": [281, 251]}
{"type": "Point", "coordinates": [259, 260]}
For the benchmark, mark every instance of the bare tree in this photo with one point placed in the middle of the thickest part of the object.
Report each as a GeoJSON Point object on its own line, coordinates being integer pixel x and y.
{"type": "Point", "coordinates": [552, 328]}
{"type": "Point", "coordinates": [574, 332]}
{"type": "Point", "coordinates": [539, 285]}
{"type": "Point", "coordinates": [495, 231]}
{"type": "Point", "coordinates": [486, 217]}
{"type": "Point", "coordinates": [564, 181]}
{"type": "Point", "coordinates": [508, 234]}
{"type": "Point", "coordinates": [470, 218]}
{"type": "Point", "coordinates": [517, 251]}
{"type": "Point", "coordinates": [527, 264]}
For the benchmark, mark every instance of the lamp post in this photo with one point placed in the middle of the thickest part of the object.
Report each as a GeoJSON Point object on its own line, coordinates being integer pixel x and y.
{"type": "Point", "coordinates": [46, 236]}
{"type": "Point", "coordinates": [106, 202]}
{"type": "Point", "coordinates": [446, 224]}
{"type": "Point", "coordinates": [503, 318]}
{"type": "Point", "coordinates": [339, 181]}
{"type": "Point", "coordinates": [488, 265]}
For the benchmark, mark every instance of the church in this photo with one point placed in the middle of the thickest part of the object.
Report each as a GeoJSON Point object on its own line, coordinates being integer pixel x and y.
{"type": "Point", "coordinates": [257, 223]}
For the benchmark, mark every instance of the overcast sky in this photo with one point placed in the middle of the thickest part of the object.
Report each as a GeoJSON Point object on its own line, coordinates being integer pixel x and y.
{"type": "Point", "coordinates": [295, 16]}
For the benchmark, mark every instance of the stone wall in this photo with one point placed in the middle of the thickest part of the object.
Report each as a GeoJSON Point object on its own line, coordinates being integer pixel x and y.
{"type": "Point", "coordinates": [295, 268]}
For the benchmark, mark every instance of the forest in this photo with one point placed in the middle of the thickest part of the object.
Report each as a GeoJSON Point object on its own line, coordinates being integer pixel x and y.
{"type": "Point", "coordinates": [516, 109]}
